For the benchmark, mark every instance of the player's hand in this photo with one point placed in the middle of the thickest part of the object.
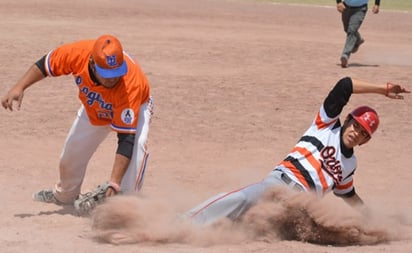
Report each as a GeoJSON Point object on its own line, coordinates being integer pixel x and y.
{"type": "Point", "coordinates": [110, 192]}
{"type": "Point", "coordinates": [375, 9]}
{"type": "Point", "coordinates": [393, 90]}
{"type": "Point", "coordinates": [340, 7]}
{"type": "Point", "coordinates": [15, 94]}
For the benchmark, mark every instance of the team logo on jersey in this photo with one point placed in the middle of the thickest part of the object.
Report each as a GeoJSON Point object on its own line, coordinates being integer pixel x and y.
{"type": "Point", "coordinates": [94, 97]}
{"type": "Point", "coordinates": [128, 116]}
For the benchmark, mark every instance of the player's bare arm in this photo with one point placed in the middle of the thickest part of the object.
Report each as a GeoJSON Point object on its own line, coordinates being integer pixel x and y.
{"type": "Point", "coordinates": [391, 90]}
{"type": "Point", "coordinates": [16, 93]}
{"type": "Point", "coordinates": [121, 163]}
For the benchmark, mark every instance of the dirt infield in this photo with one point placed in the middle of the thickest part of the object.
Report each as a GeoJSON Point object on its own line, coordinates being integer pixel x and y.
{"type": "Point", "coordinates": [235, 84]}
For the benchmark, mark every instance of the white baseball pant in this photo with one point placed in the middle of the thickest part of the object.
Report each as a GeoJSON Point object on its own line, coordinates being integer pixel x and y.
{"type": "Point", "coordinates": [81, 143]}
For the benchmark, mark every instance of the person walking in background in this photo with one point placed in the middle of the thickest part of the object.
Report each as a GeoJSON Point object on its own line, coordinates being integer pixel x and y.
{"type": "Point", "coordinates": [353, 15]}
{"type": "Point", "coordinates": [114, 95]}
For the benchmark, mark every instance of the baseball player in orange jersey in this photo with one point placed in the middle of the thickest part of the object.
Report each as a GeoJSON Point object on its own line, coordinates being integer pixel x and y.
{"type": "Point", "coordinates": [323, 160]}
{"type": "Point", "coordinates": [115, 96]}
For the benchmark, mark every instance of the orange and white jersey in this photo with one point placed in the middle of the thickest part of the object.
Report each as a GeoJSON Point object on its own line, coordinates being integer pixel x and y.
{"type": "Point", "coordinates": [317, 160]}
{"type": "Point", "coordinates": [117, 106]}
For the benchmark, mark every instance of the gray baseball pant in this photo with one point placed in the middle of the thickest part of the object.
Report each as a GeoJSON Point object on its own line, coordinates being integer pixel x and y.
{"type": "Point", "coordinates": [235, 203]}
{"type": "Point", "coordinates": [352, 19]}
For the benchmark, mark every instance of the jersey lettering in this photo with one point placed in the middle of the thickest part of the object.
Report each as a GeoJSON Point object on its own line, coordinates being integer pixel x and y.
{"type": "Point", "coordinates": [95, 97]}
{"type": "Point", "coordinates": [330, 164]}
{"type": "Point", "coordinates": [78, 80]}
{"type": "Point", "coordinates": [104, 115]}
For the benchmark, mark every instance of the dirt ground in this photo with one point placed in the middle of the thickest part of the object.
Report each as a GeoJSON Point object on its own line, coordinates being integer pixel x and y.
{"type": "Point", "coordinates": [235, 84]}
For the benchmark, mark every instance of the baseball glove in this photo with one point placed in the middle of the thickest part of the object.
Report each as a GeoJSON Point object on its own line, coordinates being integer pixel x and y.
{"type": "Point", "coordinates": [85, 203]}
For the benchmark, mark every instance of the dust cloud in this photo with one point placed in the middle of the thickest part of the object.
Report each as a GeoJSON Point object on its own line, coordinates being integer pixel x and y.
{"type": "Point", "coordinates": [304, 217]}
{"type": "Point", "coordinates": [281, 215]}
{"type": "Point", "coordinates": [127, 219]}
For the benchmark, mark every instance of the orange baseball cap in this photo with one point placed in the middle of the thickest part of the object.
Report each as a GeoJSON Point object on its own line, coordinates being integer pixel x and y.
{"type": "Point", "coordinates": [108, 57]}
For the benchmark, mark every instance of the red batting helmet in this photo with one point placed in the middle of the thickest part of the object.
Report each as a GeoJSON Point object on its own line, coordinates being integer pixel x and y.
{"type": "Point", "coordinates": [367, 118]}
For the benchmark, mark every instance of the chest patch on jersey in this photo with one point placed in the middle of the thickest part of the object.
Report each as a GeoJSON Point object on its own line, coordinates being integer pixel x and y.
{"type": "Point", "coordinates": [127, 116]}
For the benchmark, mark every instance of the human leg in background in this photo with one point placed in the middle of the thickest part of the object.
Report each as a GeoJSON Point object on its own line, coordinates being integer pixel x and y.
{"type": "Point", "coordinates": [352, 19]}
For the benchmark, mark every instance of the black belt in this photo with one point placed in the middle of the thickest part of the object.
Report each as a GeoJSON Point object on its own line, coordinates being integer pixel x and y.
{"type": "Point", "coordinates": [355, 7]}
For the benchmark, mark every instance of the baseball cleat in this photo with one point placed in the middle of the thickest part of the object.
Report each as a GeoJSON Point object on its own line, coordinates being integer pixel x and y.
{"type": "Point", "coordinates": [46, 196]}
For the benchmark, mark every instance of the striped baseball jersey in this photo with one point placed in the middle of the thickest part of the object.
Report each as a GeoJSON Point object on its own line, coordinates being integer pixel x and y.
{"type": "Point", "coordinates": [319, 161]}
{"type": "Point", "coordinates": [117, 106]}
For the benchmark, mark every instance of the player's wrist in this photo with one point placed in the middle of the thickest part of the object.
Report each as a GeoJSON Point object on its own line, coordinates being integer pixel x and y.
{"type": "Point", "coordinates": [387, 89]}
{"type": "Point", "coordinates": [115, 186]}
